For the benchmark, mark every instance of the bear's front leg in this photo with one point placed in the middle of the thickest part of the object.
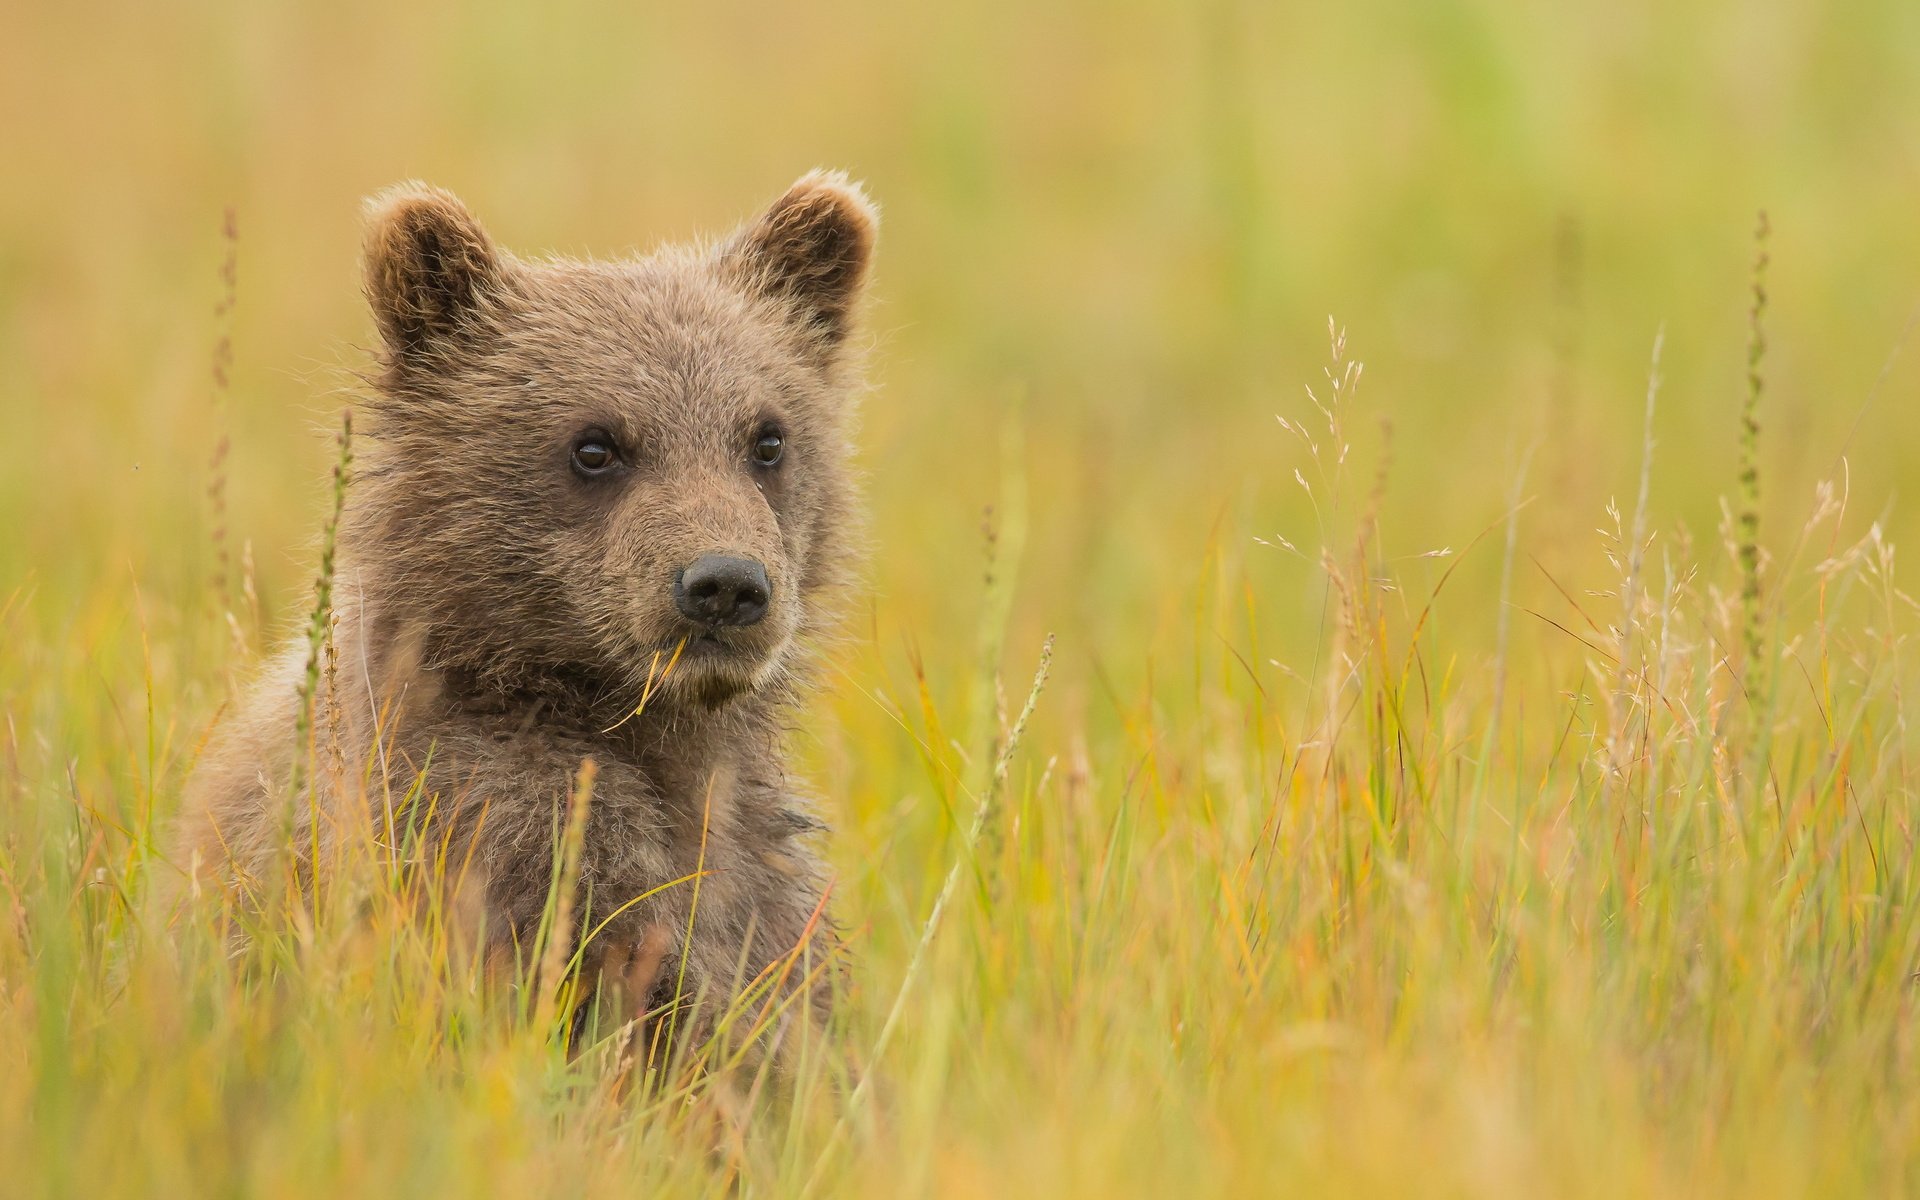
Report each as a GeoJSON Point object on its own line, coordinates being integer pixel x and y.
{"type": "Point", "coordinates": [621, 993]}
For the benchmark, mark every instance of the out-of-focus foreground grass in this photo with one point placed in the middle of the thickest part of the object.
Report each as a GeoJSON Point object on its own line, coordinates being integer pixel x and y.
{"type": "Point", "coordinates": [1308, 870]}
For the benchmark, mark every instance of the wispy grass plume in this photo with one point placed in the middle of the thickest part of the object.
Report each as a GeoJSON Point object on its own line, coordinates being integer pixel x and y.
{"type": "Point", "coordinates": [1750, 614]}
{"type": "Point", "coordinates": [320, 618]}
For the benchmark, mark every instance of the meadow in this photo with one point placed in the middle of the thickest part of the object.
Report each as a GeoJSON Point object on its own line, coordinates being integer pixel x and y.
{"type": "Point", "coordinates": [1455, 746]}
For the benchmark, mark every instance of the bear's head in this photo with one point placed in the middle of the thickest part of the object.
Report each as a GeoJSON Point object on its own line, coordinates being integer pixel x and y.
{"type": "Point", "coordinates": [582, 472]}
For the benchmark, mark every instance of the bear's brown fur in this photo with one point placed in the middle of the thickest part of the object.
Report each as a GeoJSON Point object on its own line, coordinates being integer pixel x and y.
{"type": "Point", "coordinates": [501, 608]}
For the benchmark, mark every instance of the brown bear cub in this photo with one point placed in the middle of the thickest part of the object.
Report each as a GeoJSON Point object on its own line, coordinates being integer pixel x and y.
{"type": "Point", "coordinates": [587, 483]}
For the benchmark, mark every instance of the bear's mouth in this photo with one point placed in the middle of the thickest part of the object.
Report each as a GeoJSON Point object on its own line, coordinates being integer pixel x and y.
{"type": "Point", "coordinates": [709, 665]}
{"type": "Point", "coordinates": [712, 670]}
{"type": "Point", "coordinates": [705, 650]}
{"type": "Point", "coordinates": [706, 644]}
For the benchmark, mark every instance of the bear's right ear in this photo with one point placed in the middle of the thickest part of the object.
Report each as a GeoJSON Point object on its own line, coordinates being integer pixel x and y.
{"type": "Point", "coordinates": [428, 265]}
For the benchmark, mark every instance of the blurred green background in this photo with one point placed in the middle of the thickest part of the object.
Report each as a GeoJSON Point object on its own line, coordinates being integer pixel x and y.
{"type": "Point", "coordinates": [1125, 222]}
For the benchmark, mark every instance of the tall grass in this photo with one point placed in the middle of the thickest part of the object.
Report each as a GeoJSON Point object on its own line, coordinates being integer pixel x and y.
{"type": "Point", "coordinates": [1337, 929]}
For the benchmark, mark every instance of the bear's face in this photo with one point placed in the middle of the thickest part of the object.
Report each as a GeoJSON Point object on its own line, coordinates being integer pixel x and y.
{"type": "Point", "coordinates": [631, 475]}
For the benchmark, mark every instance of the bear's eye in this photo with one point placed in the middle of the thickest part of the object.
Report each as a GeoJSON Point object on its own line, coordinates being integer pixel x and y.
{"type": "Point", "coordinates": [593, 454]}
{"type": "Point", "coordinates": [768, 449]}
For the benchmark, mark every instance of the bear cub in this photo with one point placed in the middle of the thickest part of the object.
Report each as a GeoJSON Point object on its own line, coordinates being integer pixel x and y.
{"type": "Point", "coordinates": [598, 511]}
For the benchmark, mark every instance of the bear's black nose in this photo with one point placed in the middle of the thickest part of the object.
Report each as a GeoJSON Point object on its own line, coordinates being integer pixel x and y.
{"type": "Point", "coordinates": [717, 590]}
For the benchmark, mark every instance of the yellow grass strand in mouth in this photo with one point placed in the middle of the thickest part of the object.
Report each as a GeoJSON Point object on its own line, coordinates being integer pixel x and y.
{"type": "Point", "coordinates": [656, 676]}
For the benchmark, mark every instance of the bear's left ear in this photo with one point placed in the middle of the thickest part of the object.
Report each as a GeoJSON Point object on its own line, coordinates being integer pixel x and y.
{"type": "Point", "coordinates": [810, 249]}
